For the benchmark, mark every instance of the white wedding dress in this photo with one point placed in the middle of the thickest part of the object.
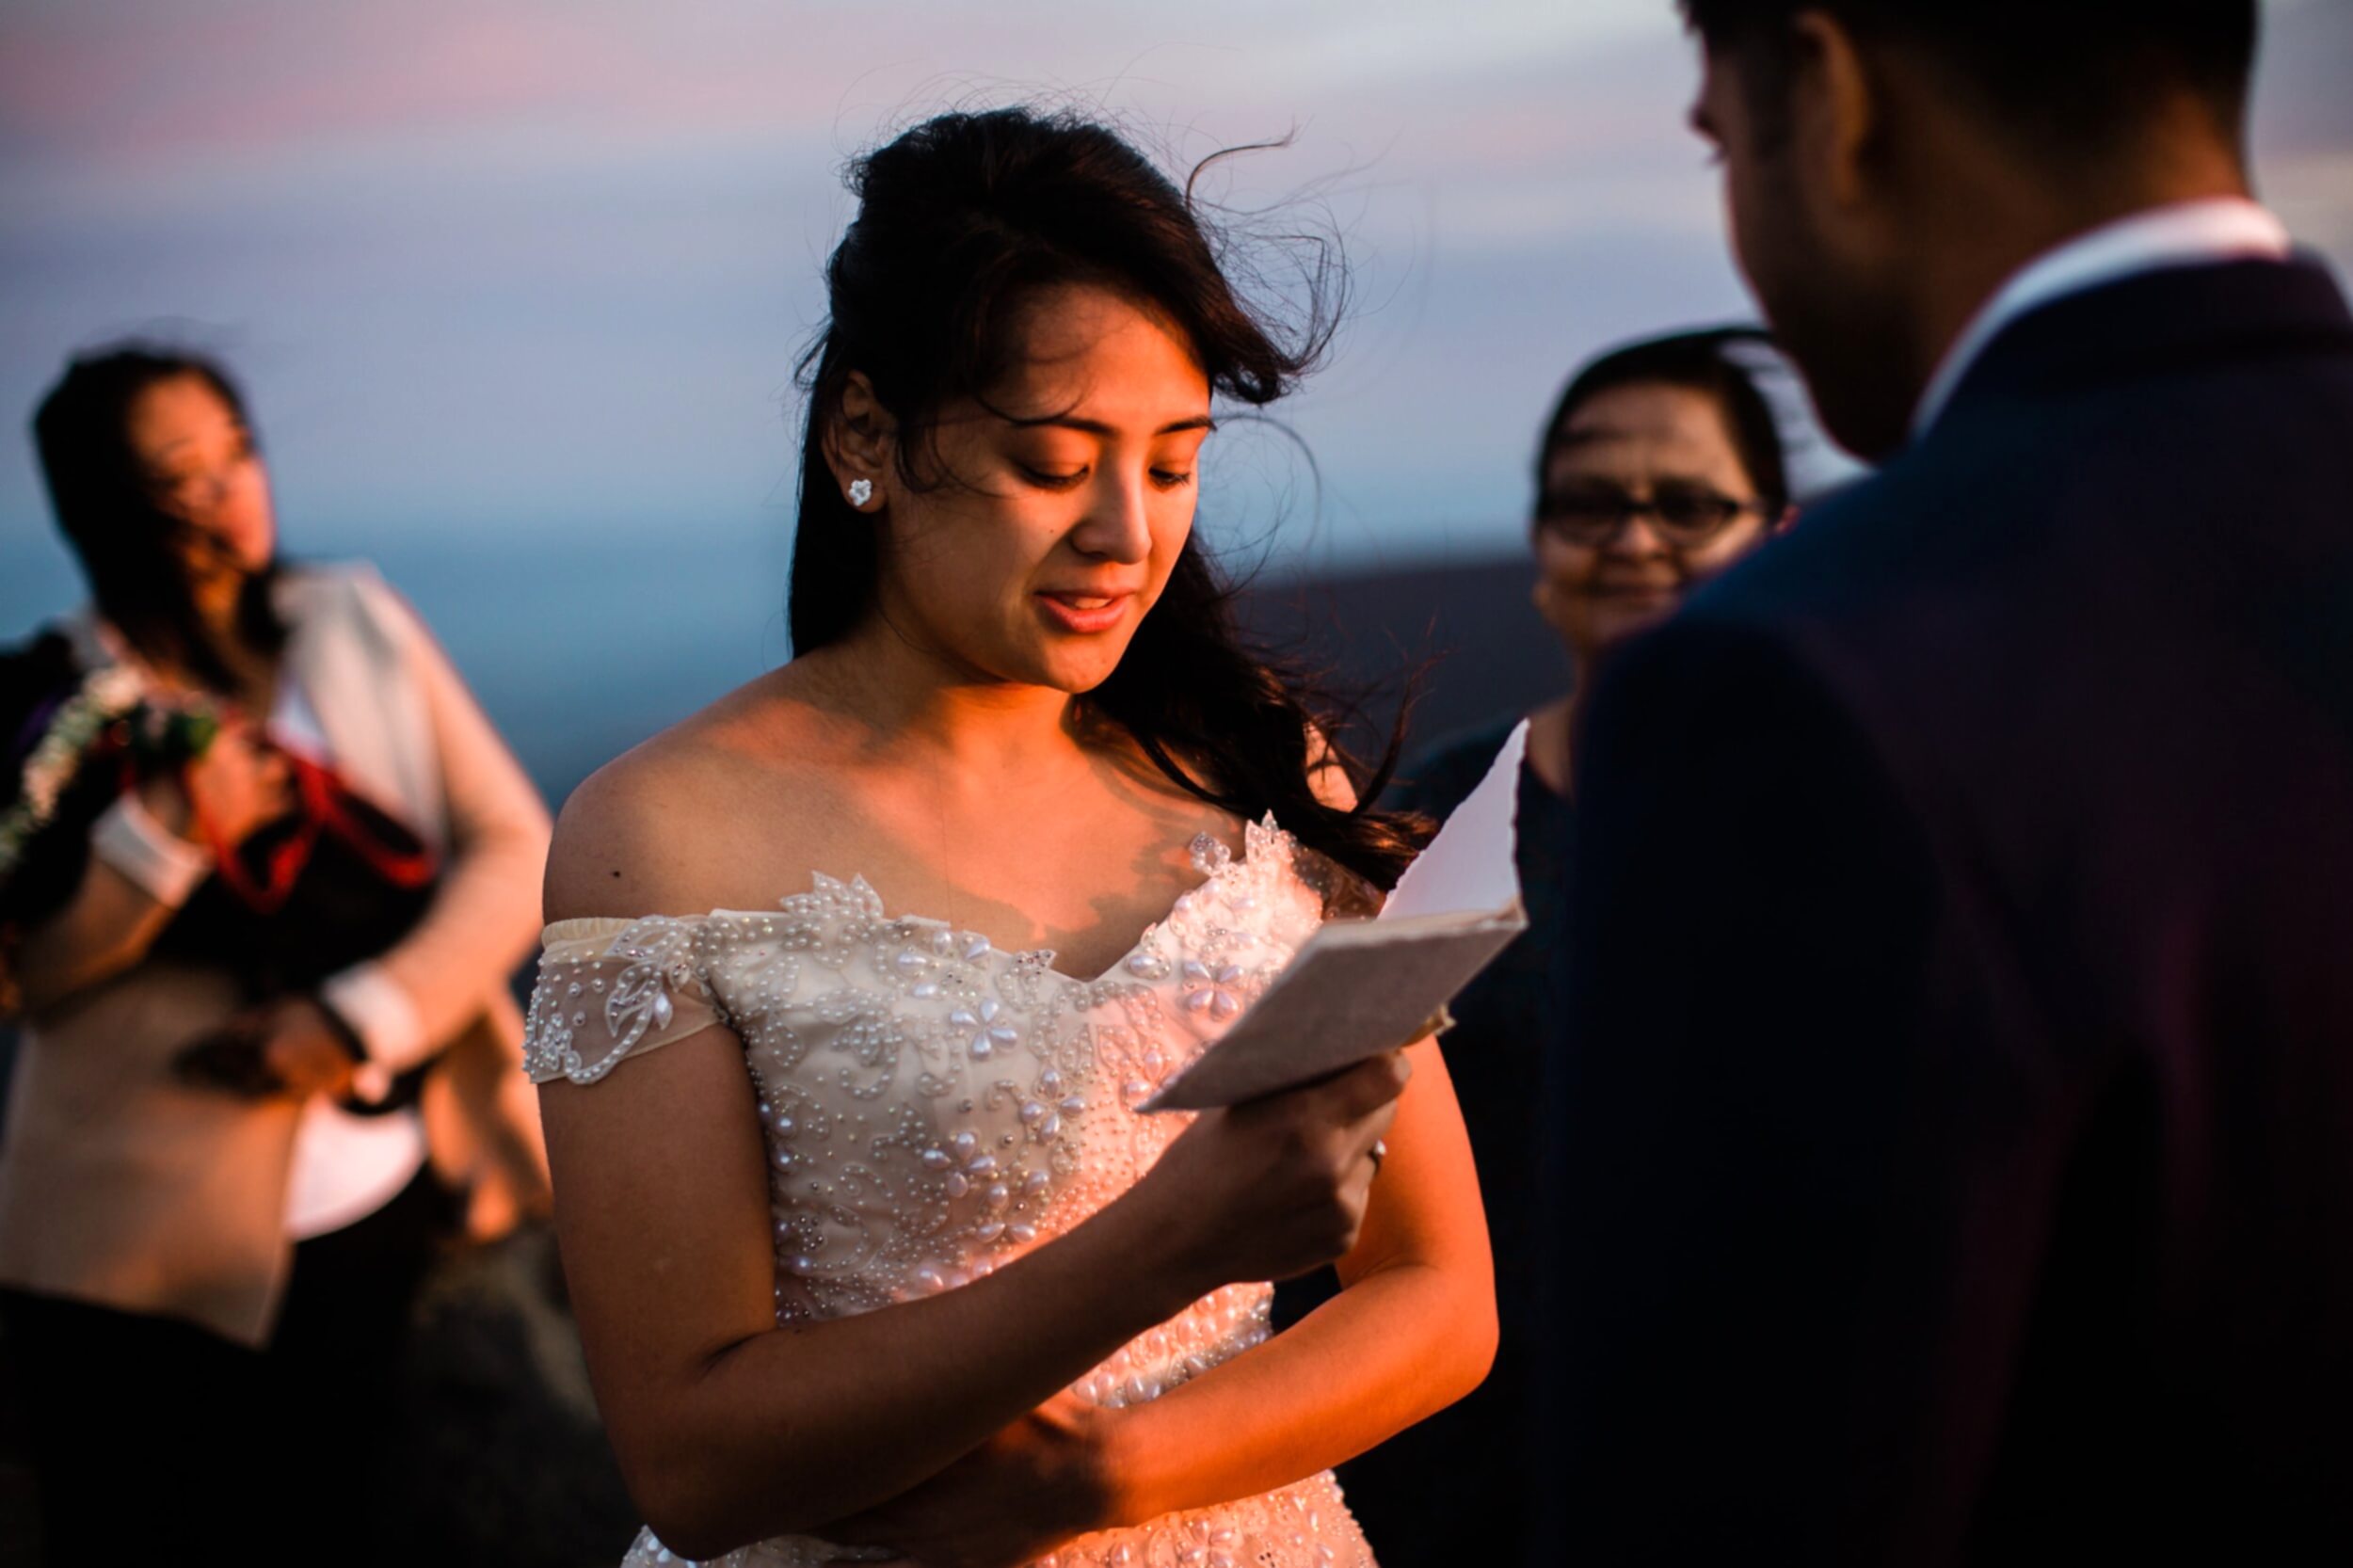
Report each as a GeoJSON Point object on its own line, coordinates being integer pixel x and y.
{"type": "Point", "coordinates": [933, 1107]}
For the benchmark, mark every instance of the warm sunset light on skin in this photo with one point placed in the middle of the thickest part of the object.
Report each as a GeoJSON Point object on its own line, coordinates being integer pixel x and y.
{"type": "Point", "coordinates": [991, 531]}
{"type": "Point", "coordinates": [1042, 530]}
{"type": "Point", "coordinates": [1084, 494]}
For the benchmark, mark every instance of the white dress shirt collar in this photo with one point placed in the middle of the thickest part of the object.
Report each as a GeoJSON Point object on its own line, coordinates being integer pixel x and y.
{"type": "Point", "coordinates": [2187, 233]}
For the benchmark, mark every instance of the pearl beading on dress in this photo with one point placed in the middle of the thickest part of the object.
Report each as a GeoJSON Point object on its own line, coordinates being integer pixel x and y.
{"type": "Point", "coordinates": [933, 1106]}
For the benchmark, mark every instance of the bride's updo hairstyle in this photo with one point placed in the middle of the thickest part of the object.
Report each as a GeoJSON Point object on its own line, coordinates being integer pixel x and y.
{"type": "Point", "coordinates": [959, 221]}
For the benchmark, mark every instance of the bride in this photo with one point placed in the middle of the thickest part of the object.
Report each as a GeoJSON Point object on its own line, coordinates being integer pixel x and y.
{"type": "Point", "coordinates": [857, 976]}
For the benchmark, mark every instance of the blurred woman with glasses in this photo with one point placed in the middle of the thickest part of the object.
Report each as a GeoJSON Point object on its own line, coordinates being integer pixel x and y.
{"type": "Point", "coordinates": [1662, 464]}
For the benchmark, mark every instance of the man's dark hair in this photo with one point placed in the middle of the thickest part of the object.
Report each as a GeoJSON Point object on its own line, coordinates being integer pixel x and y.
{"type": "Point", "coordinates": [2066, 75]}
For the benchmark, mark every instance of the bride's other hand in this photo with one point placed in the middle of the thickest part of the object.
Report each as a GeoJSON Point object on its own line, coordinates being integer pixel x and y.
{"type": "Point", "coordinates": [1041, 1481]}
{"type": "Point", "coordinates": [1276, 1186]}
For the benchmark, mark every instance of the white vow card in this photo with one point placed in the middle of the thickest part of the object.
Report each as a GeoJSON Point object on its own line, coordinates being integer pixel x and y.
{"type": "Point", "coordinates": [1359, 987]}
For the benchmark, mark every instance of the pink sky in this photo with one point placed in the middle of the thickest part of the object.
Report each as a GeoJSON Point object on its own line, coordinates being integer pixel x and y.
{"type": "Point", "coordinates": [546, 261]}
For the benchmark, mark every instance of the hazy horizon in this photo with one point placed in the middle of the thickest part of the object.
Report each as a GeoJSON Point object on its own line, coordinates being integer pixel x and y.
{"type": "Point", "coordinates": [542, 268]}
{"type": "Point", "coordinates": [516, 286]}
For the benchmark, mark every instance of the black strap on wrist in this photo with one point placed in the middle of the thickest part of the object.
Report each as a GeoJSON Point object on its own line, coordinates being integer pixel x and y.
{"type": "Point", "coordinates": [340, 1028]}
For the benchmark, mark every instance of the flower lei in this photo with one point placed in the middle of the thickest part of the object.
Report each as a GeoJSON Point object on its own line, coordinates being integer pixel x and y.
{"type": "Point", "coordinates": [112, 709]}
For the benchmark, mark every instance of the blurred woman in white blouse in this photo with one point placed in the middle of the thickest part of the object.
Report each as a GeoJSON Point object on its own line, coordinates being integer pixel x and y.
{"type": "Point", "coordinates": [268, 1057]}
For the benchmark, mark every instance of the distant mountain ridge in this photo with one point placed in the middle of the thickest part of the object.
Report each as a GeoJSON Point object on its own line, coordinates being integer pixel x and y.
{"type": "Point", "coordinates": [1466, 631]}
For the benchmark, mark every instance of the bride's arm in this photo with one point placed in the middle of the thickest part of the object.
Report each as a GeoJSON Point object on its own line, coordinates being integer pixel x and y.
{"type": "Point", "coordinates": [1411, 1331]}
{"type": "Point", "coordinates": [729, 1427]}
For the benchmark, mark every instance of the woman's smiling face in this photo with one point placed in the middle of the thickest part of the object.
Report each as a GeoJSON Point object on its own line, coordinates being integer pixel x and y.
{"type": "Point", "coordinates": [198, 461]}
{"type": "Point", "coordinates": [1628, 452]}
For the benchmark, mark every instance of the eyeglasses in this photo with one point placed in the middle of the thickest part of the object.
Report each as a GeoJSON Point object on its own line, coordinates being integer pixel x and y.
{"type": "Point", "coordinates": [1685, 516]}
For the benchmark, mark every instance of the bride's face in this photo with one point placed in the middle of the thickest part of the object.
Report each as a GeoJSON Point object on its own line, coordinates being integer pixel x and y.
{"type": "Point", "coordinates": [1050, 522]}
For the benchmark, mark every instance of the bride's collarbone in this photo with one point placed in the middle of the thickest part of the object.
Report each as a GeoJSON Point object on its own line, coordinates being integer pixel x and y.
{"type": "Point", "coordinates": [1077, 858]}
{"type": "Point", "coordinates": [1081, 883]}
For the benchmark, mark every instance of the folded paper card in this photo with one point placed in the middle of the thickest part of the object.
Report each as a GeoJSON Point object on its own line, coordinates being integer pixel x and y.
{"type": "Point", "coordinates": [1357, 988]}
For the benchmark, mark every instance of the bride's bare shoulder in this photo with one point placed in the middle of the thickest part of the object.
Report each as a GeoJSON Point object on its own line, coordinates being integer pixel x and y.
{"type": "Point", "coordinates": [710, 812]}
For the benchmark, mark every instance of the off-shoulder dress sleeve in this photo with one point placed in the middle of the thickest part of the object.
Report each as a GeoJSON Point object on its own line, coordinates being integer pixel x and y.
{"type": "Point", "coordinates": [610, 989]}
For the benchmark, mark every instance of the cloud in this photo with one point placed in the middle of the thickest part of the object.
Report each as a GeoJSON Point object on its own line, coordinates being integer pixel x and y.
{"type": "Point", "coordinates": [127, 82]}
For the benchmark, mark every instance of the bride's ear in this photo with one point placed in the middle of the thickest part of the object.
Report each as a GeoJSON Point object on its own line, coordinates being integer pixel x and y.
{"type": "Point", "coordinates": [859, 437]}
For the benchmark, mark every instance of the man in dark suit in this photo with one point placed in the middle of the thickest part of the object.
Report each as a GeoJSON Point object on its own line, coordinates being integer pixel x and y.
{"type": "Point", "coordinates": [1953, 1127]}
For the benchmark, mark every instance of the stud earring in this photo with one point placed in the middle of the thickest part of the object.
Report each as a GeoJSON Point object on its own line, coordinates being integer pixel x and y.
{"type": "Point", "coordinates": [861, 491]}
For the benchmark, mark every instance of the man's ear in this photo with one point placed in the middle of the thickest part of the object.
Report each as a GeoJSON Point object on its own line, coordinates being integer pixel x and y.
{"type": "Point", "coordinates": [858, 442]}
{"type": "Point", "coordinates": [1836, 113]}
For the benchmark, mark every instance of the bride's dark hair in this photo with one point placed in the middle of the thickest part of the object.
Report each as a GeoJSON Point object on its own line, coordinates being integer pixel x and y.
{"type": "Point", "coordinates": [959, 220]}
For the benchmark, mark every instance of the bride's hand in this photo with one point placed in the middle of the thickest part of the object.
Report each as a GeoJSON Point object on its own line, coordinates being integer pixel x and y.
{"type": "Point", "coordinates": [1276, 1186]}
{"type": "Point", "coordinates": [1037, 1483]}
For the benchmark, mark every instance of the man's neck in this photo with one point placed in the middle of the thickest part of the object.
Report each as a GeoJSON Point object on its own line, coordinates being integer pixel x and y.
{"type": "Point", "coordinates": [1982, 231]}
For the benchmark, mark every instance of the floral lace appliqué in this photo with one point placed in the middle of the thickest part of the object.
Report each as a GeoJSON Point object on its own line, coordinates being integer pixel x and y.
{"type": "Point", "coordinates": [648, 962]}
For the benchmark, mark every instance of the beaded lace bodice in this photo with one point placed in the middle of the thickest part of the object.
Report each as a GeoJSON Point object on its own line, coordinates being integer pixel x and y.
{"type": "Point", "coordinates": [933, 1106]}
